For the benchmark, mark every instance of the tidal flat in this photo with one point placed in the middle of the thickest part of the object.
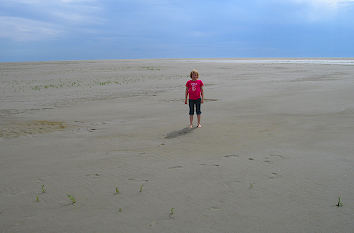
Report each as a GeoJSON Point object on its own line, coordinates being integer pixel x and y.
{"type": "Point", "coordinates": [275, 153]}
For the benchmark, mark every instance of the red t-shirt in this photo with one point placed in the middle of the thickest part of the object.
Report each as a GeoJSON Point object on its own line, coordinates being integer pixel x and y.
{"type": "Point", "coordinates": [194, 89]}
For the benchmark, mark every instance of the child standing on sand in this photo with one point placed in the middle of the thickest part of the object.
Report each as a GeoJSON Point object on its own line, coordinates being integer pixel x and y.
{"type": "Point", "coordinates": [194, 88]}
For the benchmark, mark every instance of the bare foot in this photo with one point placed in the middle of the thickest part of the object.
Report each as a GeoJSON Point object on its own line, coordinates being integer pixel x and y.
{"type": "Point", "coordinates": [199, 126]}
{"type": "Point", "coordinates": [191, 126]}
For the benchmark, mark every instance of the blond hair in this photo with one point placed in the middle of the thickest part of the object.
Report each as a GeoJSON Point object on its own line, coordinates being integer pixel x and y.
{"type": "Point", "coordinates": [194, 71]}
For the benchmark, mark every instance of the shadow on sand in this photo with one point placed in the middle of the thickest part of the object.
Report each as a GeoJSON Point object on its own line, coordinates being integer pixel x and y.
{"type": "Point", "coordinates": [180, 132]}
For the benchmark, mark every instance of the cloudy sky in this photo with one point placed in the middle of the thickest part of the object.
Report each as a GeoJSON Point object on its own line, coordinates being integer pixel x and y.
{"type": "Point", "coordinates": [40, 30]}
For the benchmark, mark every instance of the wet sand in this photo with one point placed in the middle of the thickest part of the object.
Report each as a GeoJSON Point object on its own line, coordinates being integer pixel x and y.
{"type": "Point", "coordinates": [274, 154]}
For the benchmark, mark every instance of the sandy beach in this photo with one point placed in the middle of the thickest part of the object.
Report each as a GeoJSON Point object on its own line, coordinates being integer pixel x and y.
{"type": "Point", "coordinates": [275, 152]}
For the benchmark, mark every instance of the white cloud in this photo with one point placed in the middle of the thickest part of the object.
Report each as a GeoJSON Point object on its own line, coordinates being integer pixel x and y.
{"type": "Point", "coordinates": [21, 29]}
{"type": "Point", "coordinates": [76, 18]}
{"type": "Point", "coordinates": [319, 10]}
{"type": "Point", "coordinates": [72, 10]}
{"type": "Point", "coordinates": [324, 3]}
{"type": "Point", "coordinates": [43, 19]}
{"type": "Point", "coordinates": [49, 1]}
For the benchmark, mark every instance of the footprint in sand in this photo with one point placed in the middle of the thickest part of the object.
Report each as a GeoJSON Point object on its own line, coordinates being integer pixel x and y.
{"type": "Point", "coordinates": [211, 100]}
{"type": "Point", "coordinates": [139, 180]}
{"type": "Point", "coordinates": [214, 208]}
{"type": "Point", "coordinates": [277, 155]}
{"type": "Point", "coordinates": [274, 175]}
{"type": "Point", "coordinates": [231, 156]}
{"type": "Point", "coordinates": [267, 160]}
{"type": "Point", "coordinates": [214, 165]}
{"type": "Point", "coordinates": [178, 166]}
{"type": "Point", "coordinates": [94, 175]}
{"type": "Point", "coordinates": [270, 161]}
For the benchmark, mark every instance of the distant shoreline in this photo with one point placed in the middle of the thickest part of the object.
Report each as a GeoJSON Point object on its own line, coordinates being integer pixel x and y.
{"type": "Point", "coordinates": [289, 60]}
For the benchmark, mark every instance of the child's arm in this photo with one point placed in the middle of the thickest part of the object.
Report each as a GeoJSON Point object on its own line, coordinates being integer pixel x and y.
{"type": "Point", "coordinates": [202, 93]}
{"type": "Point", "coordinates": [185, 101]}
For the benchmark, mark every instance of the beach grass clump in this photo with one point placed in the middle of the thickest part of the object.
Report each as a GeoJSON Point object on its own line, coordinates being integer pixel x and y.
{"type": "Point", "coordinates": [105, 83]}
{"type": "Point", "coordinates": [51, 86]}
{"type": "Point", "coordinates": [339, 203]}
{"type": "Point", "coordinates": [75, 84]}
{"type": "Point", "coordinates": [150, 68]}
{"type": "Point", "coordinates": [108, 82]}
{"type": "Point", "coordinates": [55, 85]}
{"type": "Point", "coordinates": [44, 189]}
{"type": "Point", "coordinates": [141, 188]}
{"type": "Point", "coordinates": [36, 88]}
{"type": "Point", "coordinates": [72, 198]}
{"type": "Point", "coordinates": [117, 191]}
{"type": "Point", "coordinates": [172, 212]}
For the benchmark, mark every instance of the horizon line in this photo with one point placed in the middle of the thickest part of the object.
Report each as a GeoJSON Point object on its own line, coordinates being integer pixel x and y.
{"type": "Point", "coordinates": [186, 58]}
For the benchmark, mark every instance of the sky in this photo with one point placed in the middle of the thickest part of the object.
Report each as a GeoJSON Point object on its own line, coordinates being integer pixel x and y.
{"type": "Point", "coordinates": [46, 30]}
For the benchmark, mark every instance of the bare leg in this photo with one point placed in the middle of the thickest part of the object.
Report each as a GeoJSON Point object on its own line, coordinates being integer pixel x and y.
{"type": "Point", "coordinates": [191, 121]}
{"type": "Point", "coordinates": [199, 125]}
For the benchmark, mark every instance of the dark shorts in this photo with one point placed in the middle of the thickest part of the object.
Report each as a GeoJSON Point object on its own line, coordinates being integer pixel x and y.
{"type": "Point", "coordinates": [195, 103]}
